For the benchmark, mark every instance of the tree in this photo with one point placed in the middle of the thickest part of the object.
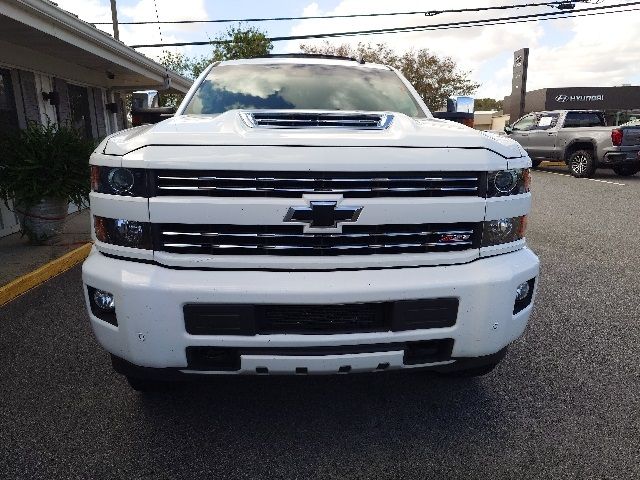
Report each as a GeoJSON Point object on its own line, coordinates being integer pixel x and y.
{"type": "Point", "coordinates": [488, 104]}
{"type": "Point", "coordinates": [435, 78]}
{"type": "Point", "coordinates": [241, 42]}
{"type": "Point", "coordinates": [236, 42]}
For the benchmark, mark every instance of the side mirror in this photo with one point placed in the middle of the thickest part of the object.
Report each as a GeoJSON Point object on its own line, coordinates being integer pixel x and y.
{"type": "Point", "coordinates": [143, 116]}
{"type": "Point", "coordinates": [508, 129]}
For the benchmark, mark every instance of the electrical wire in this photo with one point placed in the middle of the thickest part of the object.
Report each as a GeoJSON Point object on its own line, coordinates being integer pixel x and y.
{"type": "Point", "coordinates": [155, 5]}
{"type": "Point", "coordinates": [440, 26]}
{"type": "Point", "coordinates": [429, 13]}
{"type": "Point", "coordinates": [166, 68]}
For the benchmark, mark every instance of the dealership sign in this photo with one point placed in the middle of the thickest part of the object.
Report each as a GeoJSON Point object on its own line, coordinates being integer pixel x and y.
{"type": "Point", "coordinates": [562, 98]}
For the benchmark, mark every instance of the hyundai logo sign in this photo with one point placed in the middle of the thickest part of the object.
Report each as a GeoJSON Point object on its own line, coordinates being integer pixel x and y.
{"type": "Point", "coordinates": [563, 98]}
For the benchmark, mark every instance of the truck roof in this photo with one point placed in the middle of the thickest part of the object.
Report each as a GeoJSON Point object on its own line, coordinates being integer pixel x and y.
{"type": "Point", "coordinates": [310, 59]}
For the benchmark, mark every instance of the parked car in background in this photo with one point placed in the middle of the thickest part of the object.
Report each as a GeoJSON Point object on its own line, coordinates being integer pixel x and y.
{"type": "Point", "coordinates": [581, 139]}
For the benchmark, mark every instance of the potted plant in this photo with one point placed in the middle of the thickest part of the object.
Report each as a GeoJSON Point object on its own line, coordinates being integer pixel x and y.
{"type": "Point", "coordinates": [42, 169]}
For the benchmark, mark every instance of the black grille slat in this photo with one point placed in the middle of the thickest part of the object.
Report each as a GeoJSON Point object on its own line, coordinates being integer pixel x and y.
{"type": "Point", "coordinates": [295, 184]}
{"type": "Point", "coordinates": [291, 240]}
{"type": "Point", "coordinates": [323, 318]}
{"type": "Point", "coordinates": [266, 319]}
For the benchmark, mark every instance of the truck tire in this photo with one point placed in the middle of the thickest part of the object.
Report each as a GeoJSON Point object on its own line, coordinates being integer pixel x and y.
{"type": "Point", "coordinates": [536, 163]}
{"type": "Point", "coordinates": [626, 170]}
{"type": "Point", "coordinates": [582, 164]}
{"type": "Point", "coordinates": [145, 385]}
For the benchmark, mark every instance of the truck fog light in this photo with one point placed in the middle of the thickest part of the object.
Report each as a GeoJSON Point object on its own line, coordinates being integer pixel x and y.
{"type": "Point", "coordinates": [121, 180]}
{"type": "Point", "coordinates": [505, 181]}
{"type": "Point", "coordinates": [524, 295]}
{"type": "Point", "coordinates": [104, 300]}
{"type": "Point", "coordinates": [522, 291]}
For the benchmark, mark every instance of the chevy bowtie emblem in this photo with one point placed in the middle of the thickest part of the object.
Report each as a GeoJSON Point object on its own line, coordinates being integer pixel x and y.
{"type": "Point", "coordinates": [322, 214]}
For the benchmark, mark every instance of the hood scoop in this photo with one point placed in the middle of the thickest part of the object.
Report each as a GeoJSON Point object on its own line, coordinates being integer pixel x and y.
{"type": "Point", "coordinates": [314, 119]}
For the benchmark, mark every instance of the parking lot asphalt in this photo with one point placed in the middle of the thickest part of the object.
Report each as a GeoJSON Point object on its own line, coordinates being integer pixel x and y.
{"type": "Point", "coordinates": [565, 403]}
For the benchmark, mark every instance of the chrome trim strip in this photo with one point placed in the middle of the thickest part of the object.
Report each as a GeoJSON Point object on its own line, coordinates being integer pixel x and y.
{"type": "Point", "coordinates": [323, 235]}
{"type": "Point", "coordinates": [325, 247]}
{"type": "Point", "coordinates": [329, 190]}
{"type": "Point", "coordinates": [314, 247]}
{"type": "Point", "coordinates": [333, 179]}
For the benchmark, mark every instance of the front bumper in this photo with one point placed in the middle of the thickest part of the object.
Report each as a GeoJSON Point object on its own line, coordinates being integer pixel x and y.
{"type": "Point", "coordinates": [151, 331]}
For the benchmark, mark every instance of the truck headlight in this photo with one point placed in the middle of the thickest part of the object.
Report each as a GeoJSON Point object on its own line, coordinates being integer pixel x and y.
{"type": "Point", "coordinates": [508, 182]}
{"type": "Point", "coordinates": [125, 233]}
{"type": "Point", "coordinates": [131, 182]}
{"type": "Point", "coordinates": [503, 230]}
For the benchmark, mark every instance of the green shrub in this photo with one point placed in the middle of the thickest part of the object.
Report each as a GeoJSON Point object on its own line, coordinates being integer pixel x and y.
{"type": "Point", "coordinates": [45, 161]}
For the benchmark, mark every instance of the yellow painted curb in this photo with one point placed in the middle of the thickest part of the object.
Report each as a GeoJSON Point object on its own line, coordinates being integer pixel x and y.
{"type": "Point", "coordinates": [32, 279]}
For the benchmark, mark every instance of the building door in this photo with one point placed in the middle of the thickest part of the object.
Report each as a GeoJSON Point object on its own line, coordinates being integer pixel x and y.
{"type": "Point", "coordinates": [80, 114]}
{"type": "Point", "coordinates": [8, 122]}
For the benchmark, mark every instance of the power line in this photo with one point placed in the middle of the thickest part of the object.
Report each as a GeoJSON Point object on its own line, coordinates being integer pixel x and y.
{"type": "Point", "coordinates": [533, 20]}
{"type": "Point", "coordinates": [460, 24]}
{"type": "Point", "coordinates": [155, 5]}
{"type": "Point", "coordinates": [440, 26]}
{"type": "Point", "coordinates": [562, 5]}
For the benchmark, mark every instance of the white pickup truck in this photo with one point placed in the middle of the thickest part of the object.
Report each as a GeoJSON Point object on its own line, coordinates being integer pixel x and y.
{"type": "Point", "coordinates": [305, 215]}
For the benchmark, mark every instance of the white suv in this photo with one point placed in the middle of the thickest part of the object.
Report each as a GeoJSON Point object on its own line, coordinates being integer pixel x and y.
{"type": "Point", "coordinates": [305, 215]}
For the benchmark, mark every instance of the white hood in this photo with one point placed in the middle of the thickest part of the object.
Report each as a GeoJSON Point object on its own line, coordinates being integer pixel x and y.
{"type": "Point", "coordinates": [229, 129]}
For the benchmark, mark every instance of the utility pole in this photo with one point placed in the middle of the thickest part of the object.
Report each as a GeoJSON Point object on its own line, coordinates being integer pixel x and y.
{"type": "Point", "coordinates": [114, 18]}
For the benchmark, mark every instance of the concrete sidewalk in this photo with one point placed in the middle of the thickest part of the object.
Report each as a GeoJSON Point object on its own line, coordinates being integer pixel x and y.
{"type": "Point", "coordinates": [18, 257]}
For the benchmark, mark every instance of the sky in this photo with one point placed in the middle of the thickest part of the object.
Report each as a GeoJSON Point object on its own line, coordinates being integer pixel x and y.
{"type": "Point", "coordinates": [586, 51]}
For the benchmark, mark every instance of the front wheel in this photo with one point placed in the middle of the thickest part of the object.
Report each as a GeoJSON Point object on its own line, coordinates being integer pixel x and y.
{"type": "Point", "coordinates": [626, 170]}
{"type": "Point", "coordinates": [582, 164]}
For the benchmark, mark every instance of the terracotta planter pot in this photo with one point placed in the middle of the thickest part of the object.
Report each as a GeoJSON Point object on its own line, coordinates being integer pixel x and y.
{"type": "Point", "coordinates": [44, 221]}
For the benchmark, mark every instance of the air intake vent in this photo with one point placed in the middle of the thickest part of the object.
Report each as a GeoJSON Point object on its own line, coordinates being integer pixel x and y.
{"type": "Point", "coordinates": [294, 119]}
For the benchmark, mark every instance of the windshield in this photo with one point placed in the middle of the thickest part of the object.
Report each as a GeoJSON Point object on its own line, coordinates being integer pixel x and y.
{"type": "Point", "coordinates": [302, 87]}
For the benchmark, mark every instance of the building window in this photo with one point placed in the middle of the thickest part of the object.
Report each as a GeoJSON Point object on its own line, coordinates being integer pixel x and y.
{"type": "Point", "coordinates": [8, 111]}
{"type": "Point", "coordinates": [80, 116]}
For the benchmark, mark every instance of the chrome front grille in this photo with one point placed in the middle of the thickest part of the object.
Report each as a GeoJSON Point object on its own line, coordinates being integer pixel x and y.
{"type": "Point", "coordinates": [295, 184]}
{"type": "Point", "coordinates": [291, 240]}
{"type": "Point", "coordinates": [292, 119]}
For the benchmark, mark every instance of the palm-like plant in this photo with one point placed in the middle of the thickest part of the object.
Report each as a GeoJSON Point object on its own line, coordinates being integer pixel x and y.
{"type": "Point", "coordinates": [42, 169]}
